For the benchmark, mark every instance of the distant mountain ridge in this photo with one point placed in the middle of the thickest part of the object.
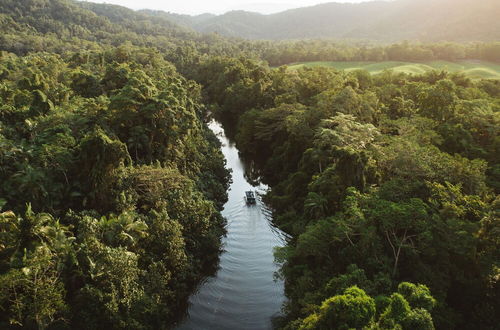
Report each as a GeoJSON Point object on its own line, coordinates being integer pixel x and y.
{"type": "Point", "coordinates": [61, 25]}
{"type": "Point", "coordinates": [425, 20]}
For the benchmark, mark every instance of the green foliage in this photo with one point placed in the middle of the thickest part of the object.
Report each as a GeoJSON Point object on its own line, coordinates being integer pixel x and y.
{"type": "Point", "coordinates": [394, 174]}
{"type": "Point", "coordinates": [36, 247]}
{"type": "Point", "coordinates": [112, 161]}
{"type": "Point", "coordinates": [344, 131]}
{"type": "Point", "coordinates": [353, 309]}
{"type": "Point", "coordinates": [418, 296]}
{"type": "Point", "coordinates": [112, 182]}
{"type": "Point", "coordinates": [400, 314]}
{"type": "Point", "coordinates": [34, 292]}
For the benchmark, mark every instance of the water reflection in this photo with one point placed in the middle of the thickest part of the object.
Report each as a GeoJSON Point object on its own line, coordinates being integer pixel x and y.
{"type": "Point", "coordinates": [243, 294]}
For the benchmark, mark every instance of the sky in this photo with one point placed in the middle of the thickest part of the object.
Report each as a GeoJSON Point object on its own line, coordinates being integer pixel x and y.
{"type": "Point", "coordinates": [195, 7]}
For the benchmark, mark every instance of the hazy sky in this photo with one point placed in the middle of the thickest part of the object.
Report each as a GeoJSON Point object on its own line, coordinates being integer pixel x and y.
{"type": "Point", "coordinates": [193, 7]}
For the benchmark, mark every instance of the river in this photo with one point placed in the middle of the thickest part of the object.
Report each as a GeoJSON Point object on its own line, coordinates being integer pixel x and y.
{"type": "Point", "coordinates": [243, 294]}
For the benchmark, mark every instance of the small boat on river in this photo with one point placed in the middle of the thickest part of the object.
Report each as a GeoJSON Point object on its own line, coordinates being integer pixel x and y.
{"type": "Point", "coordinates": [250, 197]}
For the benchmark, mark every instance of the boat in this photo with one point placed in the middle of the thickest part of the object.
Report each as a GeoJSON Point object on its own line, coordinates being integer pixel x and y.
{"type": "Point", "coordinates": [250, 197]}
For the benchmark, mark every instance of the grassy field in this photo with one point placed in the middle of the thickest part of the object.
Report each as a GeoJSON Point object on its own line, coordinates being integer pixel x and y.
{"type": "Point", "coordinates": [473, 69]}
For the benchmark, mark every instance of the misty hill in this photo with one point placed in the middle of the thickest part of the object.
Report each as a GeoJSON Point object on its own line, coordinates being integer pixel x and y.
{"type": "Point", "coordinates": [426, 20]}
{"type": "Point", "coordinates": [43, 25]}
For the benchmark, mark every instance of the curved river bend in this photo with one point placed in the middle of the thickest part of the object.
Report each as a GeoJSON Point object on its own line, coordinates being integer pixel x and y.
{"type": "Point", "coordinates": [243, 294]}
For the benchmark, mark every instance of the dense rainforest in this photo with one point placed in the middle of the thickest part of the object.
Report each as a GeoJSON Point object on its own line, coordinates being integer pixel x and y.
{"type": "Point", "coordinates": [111, 183]}
{"type": "Point", "coordinates": [379, 180]}
{"type": "Point", "coordinates": [111, 187]}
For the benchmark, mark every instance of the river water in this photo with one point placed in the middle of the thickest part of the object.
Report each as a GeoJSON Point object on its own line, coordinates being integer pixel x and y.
{"type": "Point", "coordinates": [244, 293]}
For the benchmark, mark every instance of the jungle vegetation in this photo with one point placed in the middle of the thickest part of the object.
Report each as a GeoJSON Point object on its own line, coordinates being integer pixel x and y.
{"type": "Point", "coordinates": [111, 183]}
{"type": "Point", "coordinates": [380, 179]}
{"type": "Point", "coordinates": [111, 186]}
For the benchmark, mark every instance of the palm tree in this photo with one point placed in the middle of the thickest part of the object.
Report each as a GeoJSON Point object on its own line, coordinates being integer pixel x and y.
{"type": "Point", "coordinates": [316, 205]}
{"type": "Point", "coordinates": [123, 230]}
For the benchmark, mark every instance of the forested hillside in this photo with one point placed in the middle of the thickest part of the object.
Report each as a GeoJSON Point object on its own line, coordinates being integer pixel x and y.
{"type": "Point", "coordinates": [62, 25]}
{"type": "Point", "coordinates": [111, 184]}
{"type": "Point", "coordinates": [388, 21]}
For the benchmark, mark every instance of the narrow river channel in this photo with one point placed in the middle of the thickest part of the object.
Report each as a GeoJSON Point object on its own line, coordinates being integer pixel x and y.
{"type": "Point", "coordinates": [243, 294]}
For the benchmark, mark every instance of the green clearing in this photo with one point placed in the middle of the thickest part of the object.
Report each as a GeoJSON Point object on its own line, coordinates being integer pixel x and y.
{"type": "Point", "coordinates": [472, 69]}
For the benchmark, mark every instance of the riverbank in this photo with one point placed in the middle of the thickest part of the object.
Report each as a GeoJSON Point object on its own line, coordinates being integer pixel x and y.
{"type": "Point", "coordinates": [244, 293]}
